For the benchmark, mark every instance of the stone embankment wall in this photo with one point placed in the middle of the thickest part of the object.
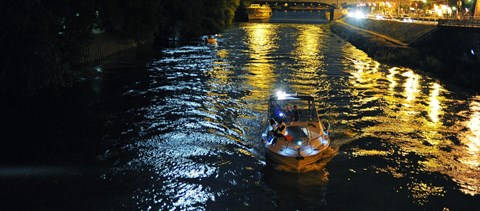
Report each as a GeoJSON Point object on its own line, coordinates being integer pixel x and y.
{"type": "Point", "coordinates": [407, 33]}
{"type": "Point", "coordinates": [382, 47]}
{"type": "Point", "coordinates": [446, 52]}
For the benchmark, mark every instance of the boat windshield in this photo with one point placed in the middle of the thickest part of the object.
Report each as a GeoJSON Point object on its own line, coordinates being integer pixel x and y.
{"type": "Point", "coordinates": [293, 110]}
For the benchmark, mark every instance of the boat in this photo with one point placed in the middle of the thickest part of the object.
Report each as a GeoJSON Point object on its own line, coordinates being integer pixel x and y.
{"type": "Point", "coordinates": [211, 40]}
{"type": "Point", "coordinates": [305, 138]}
{"type": "Point", "coordinates": [259, 12]}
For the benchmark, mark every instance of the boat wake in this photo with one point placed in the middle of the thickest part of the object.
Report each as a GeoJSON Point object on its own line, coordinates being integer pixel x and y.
{"type": "Point", "coordinates": [343, 136]}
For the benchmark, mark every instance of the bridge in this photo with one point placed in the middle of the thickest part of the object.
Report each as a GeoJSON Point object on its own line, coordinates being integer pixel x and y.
{"type": "Point", "coordinates": [330, 5]}
{"type": "Point", "coordinates": [307, 3]}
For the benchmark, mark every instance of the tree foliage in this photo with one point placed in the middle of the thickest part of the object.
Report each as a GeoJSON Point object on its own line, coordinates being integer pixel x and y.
{"type": "Point", "coordinates": [39, 38]}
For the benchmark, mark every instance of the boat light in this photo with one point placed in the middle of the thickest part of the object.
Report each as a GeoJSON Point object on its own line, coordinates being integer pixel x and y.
{"type": "Point", "coordinates": [324, 141]}
{"type": "Point", "coordinates": [281, 95]}
{"type": "Point", "coordinates": [99, 68]}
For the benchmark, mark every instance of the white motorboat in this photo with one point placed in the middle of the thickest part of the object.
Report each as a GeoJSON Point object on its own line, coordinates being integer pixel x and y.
{"type": "Point", "coordinates": [305, 138]}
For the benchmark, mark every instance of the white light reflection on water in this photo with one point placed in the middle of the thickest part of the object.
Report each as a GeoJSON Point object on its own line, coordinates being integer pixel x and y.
{"type": "Point", "coordinates": [190, 195]}
{"type": "Point", "coordinates": [196, 116]}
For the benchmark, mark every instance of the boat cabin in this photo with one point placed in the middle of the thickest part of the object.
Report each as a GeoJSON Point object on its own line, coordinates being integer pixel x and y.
{"type": "Point", "coordinates": [292, 107]}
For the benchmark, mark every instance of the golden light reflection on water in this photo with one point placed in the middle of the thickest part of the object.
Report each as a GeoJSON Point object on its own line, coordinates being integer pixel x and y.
{"type": "Point", "coordinates": [434, 104]}
{"type": "Point", "coordinates": [307, 50]}
{"type": "Point", "coordinates": [364, 69]}
{"type": "Point", "coordinates": [366, 79]}
{"type": "Point", "coordinates": [421, 191]}
{"type": "Point", "coordinates": [473, 137]}
{"type": "Point", "coordinates": [409, 110]}
{"type": "Point", "coordinates": [391, 79]}
{"type": "Point", "coordinates": [470, 157]}
{"type": "Point", "coordinates": [260, 41]}
{"type": "Point", "coordinates": [372, 152]}
{"type": "Point", "coordinates": [414, 110]}
{"type": "Point", "coordinates": [411, 87]}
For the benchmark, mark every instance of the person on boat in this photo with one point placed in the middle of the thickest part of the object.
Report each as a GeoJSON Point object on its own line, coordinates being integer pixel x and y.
{"type": "Point", "coordinates": [288, 112]}
{"type": "Point", "coordinates": [279, 130]}
{"type": "Point", "coordinates": [296, 113]}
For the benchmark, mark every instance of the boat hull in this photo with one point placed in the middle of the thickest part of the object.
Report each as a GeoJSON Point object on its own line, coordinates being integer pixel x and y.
{"type": "Point", "coordinates": [296, 153]}
{"type": "Point", "coordinates": [296, 162]}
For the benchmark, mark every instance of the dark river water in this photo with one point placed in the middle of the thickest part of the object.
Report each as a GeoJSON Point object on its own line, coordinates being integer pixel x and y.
{"type": "Point", "coordinates": [181, 131]}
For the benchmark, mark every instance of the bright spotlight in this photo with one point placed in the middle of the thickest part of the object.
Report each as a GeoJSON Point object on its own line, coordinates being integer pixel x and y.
{"type": "Point", "coordinates": [281, 95]}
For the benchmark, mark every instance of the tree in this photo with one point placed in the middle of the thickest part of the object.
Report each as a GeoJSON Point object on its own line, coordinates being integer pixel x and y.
{"type": "Point", "coordinates": [41, 38]}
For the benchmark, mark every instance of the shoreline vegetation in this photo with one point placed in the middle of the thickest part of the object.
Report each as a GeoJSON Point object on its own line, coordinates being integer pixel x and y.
{"type": "Point", "coordinates": [449, 54]}
{"type": "Point", "coordinates": [42, 41]}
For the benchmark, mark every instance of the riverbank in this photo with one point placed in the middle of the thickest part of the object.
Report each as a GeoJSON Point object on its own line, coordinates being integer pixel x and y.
{"type": "Point", "coordinates": [434, 50]}
{"type": "Point", "coordinates": [383, 48]}
{"type": "Point", "coordinates": [101, 46]}
{"type": "Point", "coordinates": [55, 36]}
